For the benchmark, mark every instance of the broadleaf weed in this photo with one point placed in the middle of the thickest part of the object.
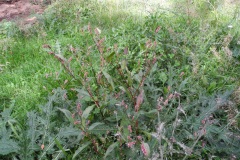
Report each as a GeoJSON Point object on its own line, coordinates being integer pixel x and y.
{"type": "Point", "coordinates": [156, 88]}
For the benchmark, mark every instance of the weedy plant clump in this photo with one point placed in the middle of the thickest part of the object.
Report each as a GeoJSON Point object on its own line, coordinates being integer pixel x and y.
{"type": "Point", "coordinates": [163, 87]}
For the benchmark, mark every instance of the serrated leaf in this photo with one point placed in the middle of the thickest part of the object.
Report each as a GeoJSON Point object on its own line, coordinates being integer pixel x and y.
{"type": "Point", "coordinates": [6, 114]}
{"type": "Point", "coordinates": [68, 114]}
{"type": "Point", "coordinates": [32, 132]}
{"type": "Point", "coordinates": [110, 149]}
{"type": "Point", "coordinates": [79, 150]}
{"type": "Point", "coordinates": [69, 131]}
{"type": "Point", "coordinates": [138, 77]}
{"type": "Point", "coordinates": [82, 92]}
{"type": "Point", "coordinates": [163, 77]}
{"type": "Point", "coordinates": [87, 111]}
{"type": "Point", "coordinates": [8, 146]}
{"type": "Point", "coordinates": [13, 128]}
{"type": "Point", "coordinates": [94, 125]}
{"type": "Point", "coordinates": [109, 78]}
{"type": "Point", "coordinates": [183, 84]}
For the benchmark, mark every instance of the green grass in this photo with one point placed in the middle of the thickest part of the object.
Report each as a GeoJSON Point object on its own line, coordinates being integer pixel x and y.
{"type": "Point", "coordinates": [202, 48]}
{"type": "Point", "coordinates": [23, 78]}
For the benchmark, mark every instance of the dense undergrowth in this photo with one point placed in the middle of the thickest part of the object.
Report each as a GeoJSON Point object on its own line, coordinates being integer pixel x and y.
{"type": "Point", "coordinates": [121, 86]}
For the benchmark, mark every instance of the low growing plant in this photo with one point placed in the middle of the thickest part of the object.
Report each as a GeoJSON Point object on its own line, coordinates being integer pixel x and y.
{"type": "Point", "coordinates": [139, 92]}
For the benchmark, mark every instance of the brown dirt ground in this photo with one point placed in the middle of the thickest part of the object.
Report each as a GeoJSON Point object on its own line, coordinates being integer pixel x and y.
{"type": "Point", "coordinates": [20, 9]}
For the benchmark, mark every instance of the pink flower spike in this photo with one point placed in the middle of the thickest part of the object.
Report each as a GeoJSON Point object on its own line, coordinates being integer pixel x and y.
{"type": "Point", "coordinates": [170, 96]}
{"type": "Point", "coordinates": [145, 149]}
{"type": "Point", "coordinates": [76, 122]}
{"type": "Point", "coordinates": [139, 101]}
{"type": "Point", "coordinates": [139, 138]}
{"type": "Point", "coordinates": [73, 115]}
{"type": "Point", "coordinates": [131, 144]}
{"type": "Point", "coordinates": [130, 128]}
{"type": "Point", "coordinates": [78, 106]}
{"type": "Point", "coordinates": [165, 102]}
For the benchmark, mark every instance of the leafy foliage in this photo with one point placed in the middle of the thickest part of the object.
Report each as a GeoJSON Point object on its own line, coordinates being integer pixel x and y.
{"type": "Point", "coordinates": [142, 90]}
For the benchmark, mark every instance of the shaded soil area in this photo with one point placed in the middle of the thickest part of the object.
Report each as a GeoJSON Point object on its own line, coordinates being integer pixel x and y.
{"type": "Point", "coordinates": [15, 9]}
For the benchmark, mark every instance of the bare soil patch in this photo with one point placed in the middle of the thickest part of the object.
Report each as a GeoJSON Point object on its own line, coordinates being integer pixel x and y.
{"type": "Point", "coordinates": [20, 9]}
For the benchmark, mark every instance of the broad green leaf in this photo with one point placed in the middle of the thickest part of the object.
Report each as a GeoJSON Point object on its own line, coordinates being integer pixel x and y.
{"type": "Point", "coordinates": [204, 80]}
{"type": "Point", "coordinates": [68, 114]}
{"type": "Point", "coordinates": [138, 76]}
{"type": "Point", "coordinates": [79, 150]}
{"type": "Point", "coordinates": [83, 92]}
{"type": "Point", "coordinates": [109, 78]}
{"type": "Point", "coordinates": [110, 149]}
{"type": "Point", "coordinates": [114, 118]}
{"type": "Point", "coordinates": [8, 146]}
{"type": "Point", "coordinates": [95, 125]}
{"type": "Point", "coordinates": [163, 77]}
{"type": "Point", "coordinates": [150, 114]}
{"type": "Point", "coordinates": [183, 85]}
{"type": "Point", "coordinates": [124, 125]}
{"type": "Point", "coordinates": [212, 86]}
{"type": "Point", "coordinates": [171, 55]}
{"type": "Point", "coordinates": [130, 78]}
{"type": "Point", "coordinates": [70, 131]}
{"type": "Point", "coordinates": [109, 57]}
{"type": "Point", "coordinates": [32, 132]}
{"type": "Point", "coordinates": [6, 115]}
{"type": "Point", "coordinates": [87, 111]}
